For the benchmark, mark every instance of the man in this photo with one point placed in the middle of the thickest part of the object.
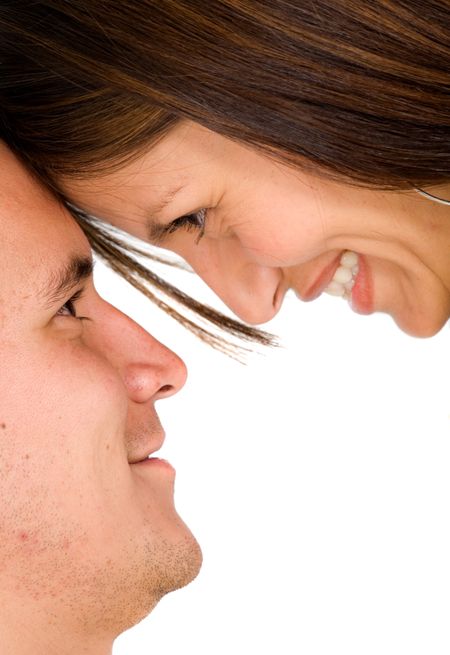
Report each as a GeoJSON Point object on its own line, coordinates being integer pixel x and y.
{"type": "Point", "coordinates": [89, 536]}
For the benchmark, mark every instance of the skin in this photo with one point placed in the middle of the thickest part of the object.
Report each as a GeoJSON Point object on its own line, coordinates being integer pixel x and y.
{"type": "Point", "coordinates": [270, 228]}
{"type": "Point", "coordinates": [89, 540]}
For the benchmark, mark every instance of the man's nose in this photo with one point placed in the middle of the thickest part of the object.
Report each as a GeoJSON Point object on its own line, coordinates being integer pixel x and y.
{"type": "Point", "coordinates": [154, 379]}
{"type": "Point", "coordinates": [149, 370]}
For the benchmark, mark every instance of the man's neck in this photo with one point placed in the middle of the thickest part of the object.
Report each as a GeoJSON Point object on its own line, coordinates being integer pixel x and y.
{"type": "Point", "coordinates": [23, 633]}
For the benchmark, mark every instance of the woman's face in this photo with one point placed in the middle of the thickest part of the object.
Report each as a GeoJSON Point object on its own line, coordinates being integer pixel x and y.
{"type": "Point", "coordinates": [253, 228]}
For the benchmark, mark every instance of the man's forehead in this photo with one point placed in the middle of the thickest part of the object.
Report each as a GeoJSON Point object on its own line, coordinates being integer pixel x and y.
{"type": "Point", "coordinates": [17, 184]}
{"type": "Point", "coordinates": [44, 251]}
{"type": "Point", "coordinates": [37, 236]}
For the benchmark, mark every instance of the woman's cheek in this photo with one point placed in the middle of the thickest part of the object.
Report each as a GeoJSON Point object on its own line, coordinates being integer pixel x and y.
{"type": "Point", "coordinates": [276, 250]}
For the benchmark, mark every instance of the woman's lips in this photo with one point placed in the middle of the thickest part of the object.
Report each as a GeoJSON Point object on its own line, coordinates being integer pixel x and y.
{"type": "Point", "coordinates": [321, 282]}
{"type": "Point", "coordinates": [362, 293]}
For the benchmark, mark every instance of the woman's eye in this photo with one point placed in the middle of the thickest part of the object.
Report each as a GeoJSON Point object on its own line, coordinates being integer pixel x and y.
{"type": "Point", "coordinates": [194, 221]}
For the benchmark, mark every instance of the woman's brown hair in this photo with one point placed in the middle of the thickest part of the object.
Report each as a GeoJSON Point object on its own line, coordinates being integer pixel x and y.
{"type": "Point", "coordinates": [357, 91]}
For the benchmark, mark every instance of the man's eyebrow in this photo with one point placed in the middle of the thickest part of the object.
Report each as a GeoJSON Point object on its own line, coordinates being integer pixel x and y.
{"type": "Point", "coordinates": [60, 282]}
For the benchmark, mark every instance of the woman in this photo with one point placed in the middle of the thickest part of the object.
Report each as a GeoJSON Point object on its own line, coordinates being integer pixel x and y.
{"type": "Point", "coordinates": [273, 145]}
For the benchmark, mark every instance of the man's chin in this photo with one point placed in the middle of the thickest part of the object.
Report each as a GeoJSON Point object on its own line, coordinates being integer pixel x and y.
{"type": "Point", "coordinates": [173, 560]}
{"type": "Point", "coordinates": [184, 566]}
{"type": "Point", "coordinates": [173, 567]}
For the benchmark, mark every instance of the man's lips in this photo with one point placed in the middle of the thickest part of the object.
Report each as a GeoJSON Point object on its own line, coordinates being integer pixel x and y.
{"type": "Point", "coordinates": [157, 462]}
{"type": "Point", "coordinates": [321, 282]}
{"type": "Point", "coordinates": [152, 446]}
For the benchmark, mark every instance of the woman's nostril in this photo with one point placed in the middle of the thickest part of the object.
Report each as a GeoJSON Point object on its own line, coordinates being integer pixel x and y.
{"type": "Point", "coordinates": [165, 388]}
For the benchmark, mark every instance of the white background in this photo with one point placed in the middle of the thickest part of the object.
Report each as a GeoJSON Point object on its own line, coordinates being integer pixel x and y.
{"type": "Point", "coordinates": [317, 481]}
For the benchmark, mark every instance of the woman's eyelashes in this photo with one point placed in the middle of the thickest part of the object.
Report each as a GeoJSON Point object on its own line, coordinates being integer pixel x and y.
{"type": "Point", "coordinates": [69, 307]}
{"type": "Point", "coordinates": [196, 221]}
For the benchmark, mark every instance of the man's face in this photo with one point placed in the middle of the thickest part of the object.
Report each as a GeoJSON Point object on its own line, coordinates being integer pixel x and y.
{"type": "Point", "coordinates": [86, 535]}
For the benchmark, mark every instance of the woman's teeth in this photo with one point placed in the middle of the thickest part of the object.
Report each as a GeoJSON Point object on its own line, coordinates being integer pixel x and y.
{"type": "Point", "coordinates": [345, 276]}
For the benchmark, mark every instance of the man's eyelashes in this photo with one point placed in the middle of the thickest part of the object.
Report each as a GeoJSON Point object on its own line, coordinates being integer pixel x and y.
{"type": "Point", "coordinates": [69, 307]}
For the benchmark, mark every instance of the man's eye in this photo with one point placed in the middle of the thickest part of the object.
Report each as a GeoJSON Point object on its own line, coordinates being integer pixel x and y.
{"type": "Point", "coordinates": [194, 221]}
{"type": "Point", "coordinates": [69, 309]}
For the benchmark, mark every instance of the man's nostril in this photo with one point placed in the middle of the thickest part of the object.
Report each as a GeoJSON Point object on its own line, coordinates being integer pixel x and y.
{"type": "Point", "coordinates": [165, 388]}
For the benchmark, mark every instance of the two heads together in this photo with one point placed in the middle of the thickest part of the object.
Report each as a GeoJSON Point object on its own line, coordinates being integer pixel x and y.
{"type": "Point", "coordinates": [273, 146]}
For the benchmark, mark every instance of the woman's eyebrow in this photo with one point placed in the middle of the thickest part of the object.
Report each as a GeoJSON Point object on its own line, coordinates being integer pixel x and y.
{"type": "Point", "coordinates": [60, 282]}
{"type": "Point", "coordinates": [154, 228]}
{"type": "Point", "coordinates": [169, 195]}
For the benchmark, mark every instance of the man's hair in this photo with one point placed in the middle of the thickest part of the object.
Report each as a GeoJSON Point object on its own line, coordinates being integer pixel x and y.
{"type": "Point", "coordinates": [354, 91]}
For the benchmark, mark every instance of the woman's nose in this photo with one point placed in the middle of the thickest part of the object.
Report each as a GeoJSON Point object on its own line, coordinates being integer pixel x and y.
{"type": "Point", "coordinates": [149, 370]}
{"type": "Point", "coordinates": [253, 292]}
